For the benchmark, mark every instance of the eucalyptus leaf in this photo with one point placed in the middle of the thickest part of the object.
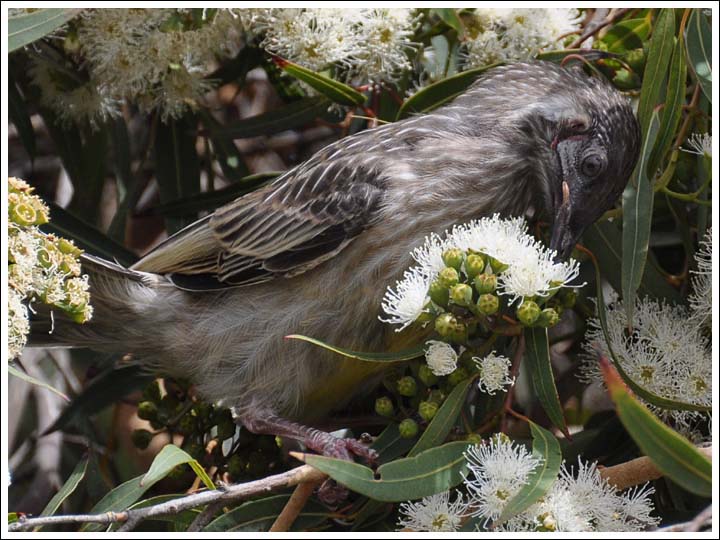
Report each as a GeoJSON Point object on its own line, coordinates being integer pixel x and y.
{"type": "Point", "coordinates": [259, 515]}
{"type": "Point", "coordinates": [656, 67]}
{"type": "Point", "coordinates": [67, 489]}
{"type": "Point", "coordinates": [450, 17]}
{"type": "Point", "coordinates": [170, 457]}
{"type": "Point", "coordinates": [627, 35]}
{"type": "Point", "coordinates": [338, 92]}
{"type": "Point", "coordinates": [35, 24]}
{"type": "Point", "coordinates": [699, 50]}
{"type": "Point", "coordinates": [12, 370]}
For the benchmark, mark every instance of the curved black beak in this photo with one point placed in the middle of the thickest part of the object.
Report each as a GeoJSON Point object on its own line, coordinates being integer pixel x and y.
{"type": "Point", "coordinates": [563, 239]}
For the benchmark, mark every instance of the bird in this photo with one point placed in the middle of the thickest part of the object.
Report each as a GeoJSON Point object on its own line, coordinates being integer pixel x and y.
{"type": "Point", "coordinates": [313, 252]}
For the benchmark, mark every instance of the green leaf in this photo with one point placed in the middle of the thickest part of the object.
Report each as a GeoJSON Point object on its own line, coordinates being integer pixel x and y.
{"type": "Point", "coordinates": [672, 110]}
{"type": "Point", "coordinates": [170, 457]}
{"type": "Point", "coordinates": [430, 472]}
{"type": "Point", "coordinates": [637, 204]}
{"type": "Point", "coordinates": [290, 116]}
{"type": "Point", "coordinates": [125, 181]}
{"type": "Point", "coordinates": [227, 154]}
{"type": "Point", "coordinates": [672, 453]}
{"type": "Point", "coordinates": [400, 356]}
{"type": "Point", "coordinates": [656, 67]}
{"type": "Point", "coordinates": [699, 50]}
{"type": "Point", "coordinates": [450, 17]}
{"type": "Point", "coordinates": [177, 165]}
{"type": "Point", "coordinates": [211, 200]}
{"type": "Point", "coordinates": [32, 380]}
{"type": "Point", "coordinates": [17, 110]}
{"type": "Point", "coordinates": [444, 419]}
{"type": "Point", "coordinates": [67, 489]}
{"type": "Point", "coordinates": [604, 239]}
{"type": "Point", "coordinates": [541, 479]}
{"type": "Point", "coordinates": [436, 94]}
{"type": "Point", "coordinates": [627, 35]}
{"type": "Point", "coordinates": [35, 24]}
{"type": "Point", "coordinates": [648, 396]}
{"type": "Point", "coordinates": [541, 375]}
{"type": "Point", "coordinates": [104, 390]}
{"type": "Point", "coordinates": [390, 445]}
{"type": "Point", "coordinates": [338, 92]}
{"type": "Point", "coordinates": [259, 515]}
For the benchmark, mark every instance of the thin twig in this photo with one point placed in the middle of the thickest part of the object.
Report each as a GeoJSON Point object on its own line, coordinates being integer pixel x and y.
{"type": "Point", "coordinates": [225, 495]}
{"type": "Point", "coordinates": [206, 516]}
{"type": "Point", "coordinates": [702, 520]}
{"type": "Point", "coordinates": [293, 507]}
{"type": "Point", "coordinates": [591, 30]}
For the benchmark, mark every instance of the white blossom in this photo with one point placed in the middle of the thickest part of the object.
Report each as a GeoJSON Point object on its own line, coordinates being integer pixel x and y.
{"type": "Point", "coordinates": [494, 373]}
{"type": "Point", "coordinates": [511, 35]}
{"type": "Point", "coordinates": [18, 324]}
{"type": "Point", "coordinates": [700, 144]}
{"type": "Point", "coordinates": [497, 472]}
{"type": "Point", "coordinates": [429, 255]}
{"type": "Point", "coordinates": [441, 358]}
{"type": "Point", "coordinates": [433, 514]}
{"type": "Point", "coordinates": [665, 353]}
{"type": "Point", "coordinates": [406, 302]}
{"type": "Point", "coordinates": [701, 297]}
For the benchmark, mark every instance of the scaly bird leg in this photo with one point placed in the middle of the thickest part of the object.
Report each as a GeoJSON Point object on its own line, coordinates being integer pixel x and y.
{"type": "Point", "coordinates": [266, 423]}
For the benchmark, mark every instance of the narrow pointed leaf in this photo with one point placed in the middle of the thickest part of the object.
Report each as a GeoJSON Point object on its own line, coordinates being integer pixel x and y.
{"type": "Point", "coordinates": [170, 457]}
{"type": "Point", "coordinates": [541, 374]}
{"type": "Point", "coordinates": [450, 17]}
{"type": "Point", "coordinates": [401, 356]}
{"type": "Point", "coordinates": [338, 92]}
{"type": "Point", "coordinates": [699, 50]}
{"type": "Point", "coordinates": [32, 380]}
{"type": "Point", "coordinates": [627, 35]}
{"type": "Point", "coordinates": [673, 454]}
{"type": "Point", "coordinates": [541, 479]}
{"type": "Point", "coordinates": [656, 67]}
{"type": "Point", "coordinates": [390, 444]}
{"type": "Point", "coordinates": [67, 489]}
{"type": "Point", "coordinates": [28, 27]}
{"type": "Point", "coordinates": [637, 204]}
{"type": "Point", "coordinates": [428, 473]}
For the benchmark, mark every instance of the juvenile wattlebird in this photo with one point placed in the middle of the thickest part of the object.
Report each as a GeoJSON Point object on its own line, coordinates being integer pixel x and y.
{"type": "Point", "coordinates": [313, 252]}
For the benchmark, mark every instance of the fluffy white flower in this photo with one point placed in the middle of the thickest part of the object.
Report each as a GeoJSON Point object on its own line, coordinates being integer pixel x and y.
{"type": "Point", "coordinates": [441, 358]}
{"type": "Point", "coordinates": [429, 255]}
{"type": "Point", "coordinates": [433, 514]}
{"type": "Point", "coordinates": [700, 144]}
{"type": "Point", "coordinates": [701, 297]}
{"type": "Point", "coordinates": [18, 324]}
{"type": "Point", "coordinates": [494, 373]}
{"type": "Point", "coordinates": [497, 471]}
{"type": "Point", "coordinates": [664, 353]}
{"type": "Point", "coordinates": [406, 302]}
{"type": "Point", "coordinates": [511, 35]}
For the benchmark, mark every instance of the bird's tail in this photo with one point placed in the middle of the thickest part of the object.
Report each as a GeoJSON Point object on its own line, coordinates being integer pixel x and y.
{"type": "Point", "coordinates": [121, 300]}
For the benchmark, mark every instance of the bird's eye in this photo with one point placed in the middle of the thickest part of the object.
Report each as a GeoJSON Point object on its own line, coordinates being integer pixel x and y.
{"type": "Point", "coordinates": [592, 165]}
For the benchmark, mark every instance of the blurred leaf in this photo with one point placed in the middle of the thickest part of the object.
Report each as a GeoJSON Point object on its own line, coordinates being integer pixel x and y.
{"type": "Point", "coordinates": [627, 35]}
{"type": "Point", "coordinates": [12, 517]}
{"type": "Point", "coordinates": [428, 473]}
{"type": "Point", "coordinates": [541, 375]}
{"type": "Point", "coordinates": [672, 453]}
{"type": "Point", "coordinates": [17, 110]}
{"type": "Point", "coordinates": [292, 115]}
{"type": "Point", "coordinates": [227, 154]}
{"type": "Point", "coordinates": [35, 24]}
{"type": "Point", "coordinates": [436, 94]}
{"type": "Point", "coordinates": [86, 236]}
{"type": "Point", "coordinates": [656, 68]}
{"type": "Point", "coordinates": [338, 92]}
{"type": "Point", "coordinates": [541, 479]}
{"type": "Point", "coordinates": [672, 110]}
{"type": "Point", "coordinates": [450, 17]}
{"type": "Point", "coordinates": [699, 49]}
{"type": "Point", "coordinates": [104, 390]}
{"type": "Point", "coordinates": [259, 515]}
{"type": "Point", "coordinates": [125, 180]}
{"type": "Point", "coordinates": [66, 490]}
{"type": "Point", "coordinates": [648, 396]}
{"type": "Point", "coordinates": [177, 165]}
{"type": "Point", "coordinates": [210, 200]}
{"type": "Point", "coordinates": [237, 69]}
{"type": "Point", "coordinates": [400, 356]}
{"type": "Point", "coordinates": [170, 457]}
{"type": "Point", "coordinates": [390, 445]}
{"type": "Point", "coordinates": [117, 500]}
{"type": "Point", "coordinates": [637, 205]}
{"type": "Point", "coordinates": [32, 380]}
{"type": "Point", "coordinates": [604, 239]}
{"type": "Point", "coordinates": [444, 419]}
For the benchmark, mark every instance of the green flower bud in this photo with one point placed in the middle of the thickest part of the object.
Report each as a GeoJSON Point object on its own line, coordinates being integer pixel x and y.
{"type": "Point", "coordinates": [636, 59]}
{"type": "Point", "coordinates": [528, 312]}
{"type": "Point", "coordinates": [485, 283]}
{"type": "Point", "coordinates": [548, 318]}
{"type": "Point", "coordinates": [141, 438]}
{"type": "Point", "coordinates": [147, 410]}
{"type": "Point", "coordinates": [407, 386]}
{"type": "Point", "coordinates": [408, 428]}
{"type": "Point", "coordinates": [23, 213]}
{"type": "Point", "coordinates": [457, 376]}
{"type": "Point", "coordinates": [384, 406]}
{"type": "Point", "coordinates": [437, 396]}
{"type": "Point", "coordinates": [474, 438]}
{"type": "Point", "coordinates": [66, 247]}
{"type": "Point", "coordinates": [453, 258]}
{"type": "Point", "coordinates": [497, 266]}
{"type": "Point", "coordinates": [187, 424]}
{"type": "Point", "coordinates": [426, 376]}
{"type": "Point", "coordinates": [448, 277]}
{"type": "Point", "coordinates": [474, 265]}
{"type": "Point", "coordinates": [427, 410]}
{"type": "Point", "coordinates": [439, 293]}
{"type": "Point", "coordinates": [626, 80]}
{"type": "Point", "coordinates": [461, 294]}
{"type": "Point", "coordinates": [488, 304]}
{"type": "Point", "coordinates": [459, 334]}
{"type": "Point", "coordinates": [152, 392]}
{"type": "Point", "coordinates": [445, 324]}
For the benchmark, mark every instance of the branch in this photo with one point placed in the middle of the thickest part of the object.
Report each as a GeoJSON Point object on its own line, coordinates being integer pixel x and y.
{"type": "Point", "coordinates": [699, 522]}
{"type": "Point", "coordinates": [637, 471]}
{"type": "Point", "coordinates": [293, 507]}
{"type": "Point", "coordinates": [221, 496]}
